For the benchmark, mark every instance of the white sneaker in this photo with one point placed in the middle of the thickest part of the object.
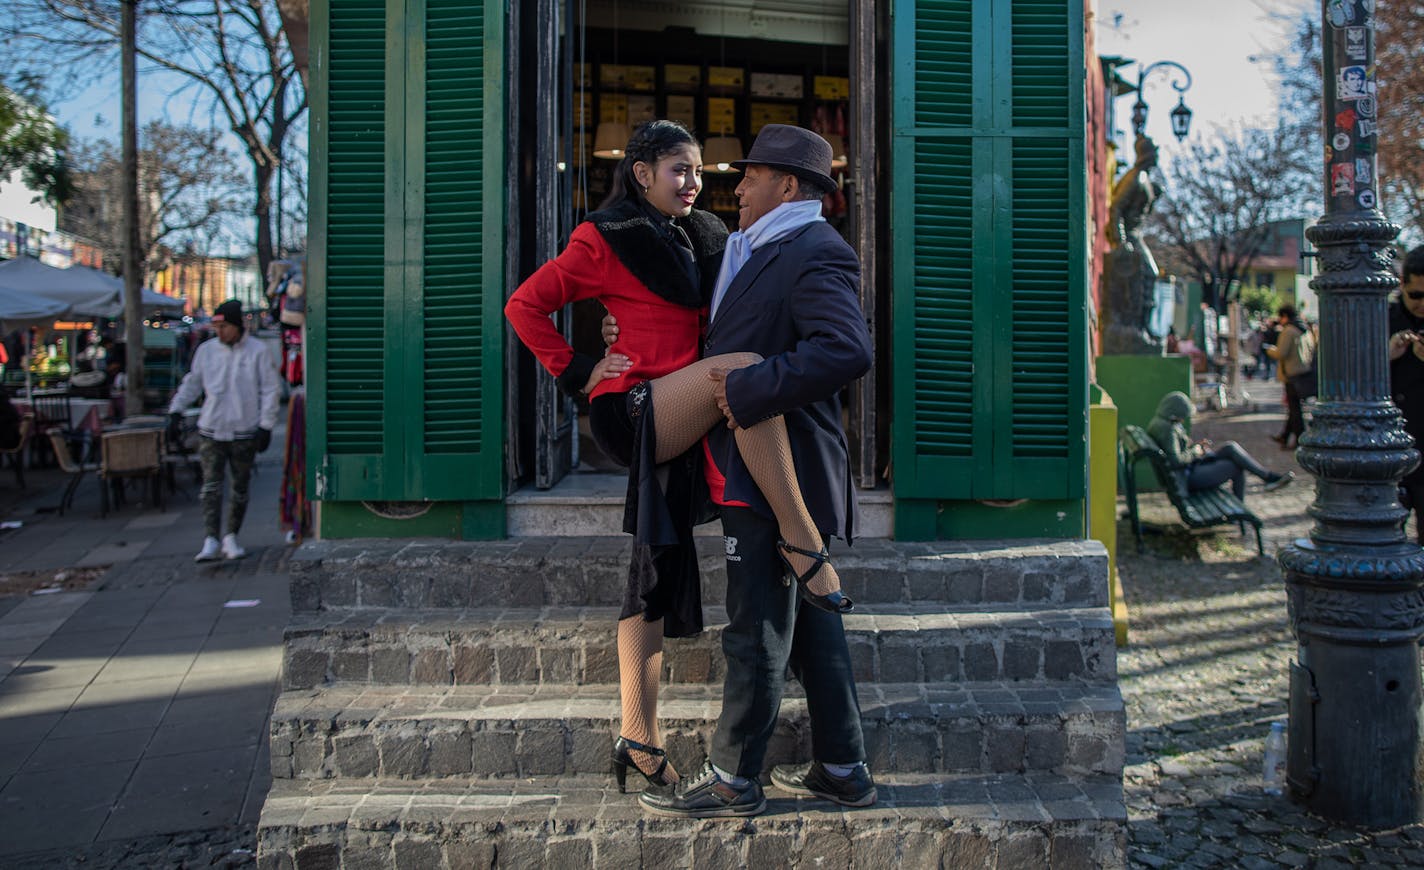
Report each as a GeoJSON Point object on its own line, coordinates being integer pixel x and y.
{"type": "Point", "coordinates": [231, 549]}
{"type": "Point", "coordinates": [209, 552]}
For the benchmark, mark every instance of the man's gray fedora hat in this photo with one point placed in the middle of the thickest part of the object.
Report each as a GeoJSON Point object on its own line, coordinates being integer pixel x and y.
{"type": "Point", "coordinates": [796, 149]}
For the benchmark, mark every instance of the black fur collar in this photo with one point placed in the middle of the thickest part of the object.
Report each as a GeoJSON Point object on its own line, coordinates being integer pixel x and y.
{"type": "Point", "coordinates": [643, 249]}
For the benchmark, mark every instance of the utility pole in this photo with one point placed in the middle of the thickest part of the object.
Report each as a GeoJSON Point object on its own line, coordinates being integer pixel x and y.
{"type": "Point", "coordinates": [133, 260]}
{"type": "Point", "coordinates": [1356, 587]}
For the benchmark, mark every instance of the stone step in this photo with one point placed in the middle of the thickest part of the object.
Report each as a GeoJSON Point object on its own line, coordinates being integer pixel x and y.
{"type": "Point", "coordinates": [515, 646]}
{"type": "Point", "coordinates": [1008, 822]}
{"type": "Point", "coordinates": [577, 572]}
{"type": "Point", "coordinates": [356, 731]}
{"type": "Point", "coordinates": [590, 504]}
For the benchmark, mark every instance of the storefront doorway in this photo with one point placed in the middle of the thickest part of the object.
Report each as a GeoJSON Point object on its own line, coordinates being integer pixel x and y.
{"type": "Point", "coordinates": [582, 74]}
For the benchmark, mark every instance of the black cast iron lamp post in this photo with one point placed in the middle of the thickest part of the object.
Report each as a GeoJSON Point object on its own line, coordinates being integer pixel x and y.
{"type": "Point", "coordinates": [1355, 588]}
{"type": "Point", "coordinates": [1181, 115]}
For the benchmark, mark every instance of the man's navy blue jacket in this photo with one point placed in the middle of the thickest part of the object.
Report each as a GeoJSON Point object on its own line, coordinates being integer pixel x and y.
{"type": "Point", "coordinates": [795, 302]}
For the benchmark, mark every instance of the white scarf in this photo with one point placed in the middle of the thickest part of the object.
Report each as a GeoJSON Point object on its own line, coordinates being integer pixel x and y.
{"type": "Point", "coordinates": [775, 224]}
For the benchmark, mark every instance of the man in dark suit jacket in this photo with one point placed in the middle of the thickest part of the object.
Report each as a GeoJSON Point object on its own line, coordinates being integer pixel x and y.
{"type": "Point", "coordinates": [1406, 374]}
{"type": "Point", "coordinates": [787, 291]}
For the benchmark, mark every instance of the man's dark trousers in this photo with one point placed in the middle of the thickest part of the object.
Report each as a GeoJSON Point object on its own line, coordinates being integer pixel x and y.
{"type": "Point", "coordinates": [768, 628]}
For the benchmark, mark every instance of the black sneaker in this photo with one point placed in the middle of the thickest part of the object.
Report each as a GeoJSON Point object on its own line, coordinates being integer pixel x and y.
{"type": "Point", "coordinates": [704, 796]}
{"type": "Point", "coordinates": [1278, 481]}
{"type": "Point", "coordinates": [813, 780]}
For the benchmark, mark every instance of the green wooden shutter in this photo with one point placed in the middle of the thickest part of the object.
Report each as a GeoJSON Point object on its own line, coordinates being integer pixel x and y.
{"type": "Point", "coordinates": [459, 451]}
{"type": "Point", "coordinates": [989, 268]}
{"type": "Point", "coordinates": [411, 373]}
{"type": "Point", "coordinates": [347, 276]}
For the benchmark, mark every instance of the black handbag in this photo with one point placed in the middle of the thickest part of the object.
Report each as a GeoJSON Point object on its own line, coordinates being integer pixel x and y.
{"type": "Point", "coordinates": [1304, 384]}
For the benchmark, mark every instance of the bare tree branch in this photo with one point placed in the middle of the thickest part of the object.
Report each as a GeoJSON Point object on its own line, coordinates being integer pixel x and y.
{"type": "Point", "coordinates": [1221, 200]}
{"type": "Point", "coordinates": [234, 51]}
{"type": "Point", "coordinates": [189, 186]}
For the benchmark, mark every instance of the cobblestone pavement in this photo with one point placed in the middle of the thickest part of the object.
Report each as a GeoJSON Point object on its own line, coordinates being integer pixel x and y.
{"type": "Point", "coordinates": [1204, 675]}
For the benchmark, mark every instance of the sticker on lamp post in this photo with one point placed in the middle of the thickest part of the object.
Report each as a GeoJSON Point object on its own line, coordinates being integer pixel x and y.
{"type": "Point", "coordinates": [1342, 179]}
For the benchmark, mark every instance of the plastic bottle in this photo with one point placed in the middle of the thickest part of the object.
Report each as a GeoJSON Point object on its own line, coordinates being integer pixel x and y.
{"type": "Point", "coordinates": [1273, 767]}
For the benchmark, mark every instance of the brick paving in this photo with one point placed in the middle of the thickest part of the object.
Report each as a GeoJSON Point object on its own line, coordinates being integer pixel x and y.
{"type": "Point", "coordinates": [1204, 675]}
{"type": "Point", "coordinates": [133, 709]}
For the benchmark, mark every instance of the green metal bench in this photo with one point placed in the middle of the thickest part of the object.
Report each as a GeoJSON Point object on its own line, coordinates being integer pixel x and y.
{"type": "Point", "coordinates": [1199, 510]}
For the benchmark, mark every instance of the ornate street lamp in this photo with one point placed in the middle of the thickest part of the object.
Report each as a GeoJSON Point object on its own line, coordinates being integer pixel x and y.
{"type": "Point", "coordinates": [1181, 115]}
{"type": "Point", "coordinates": [1181, 119]}
{"type": "Point", "coordinates": [1355, 588]}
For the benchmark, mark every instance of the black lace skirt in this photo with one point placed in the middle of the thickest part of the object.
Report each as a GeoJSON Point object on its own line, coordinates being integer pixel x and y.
{"type": "Point", "coordinates": [662, 506]}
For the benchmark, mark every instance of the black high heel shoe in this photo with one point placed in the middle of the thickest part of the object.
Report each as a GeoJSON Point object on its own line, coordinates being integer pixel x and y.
{"type": "Point", "coordinates": [622, 761]}
{"type": "Point", "coordinates": [831, 602]}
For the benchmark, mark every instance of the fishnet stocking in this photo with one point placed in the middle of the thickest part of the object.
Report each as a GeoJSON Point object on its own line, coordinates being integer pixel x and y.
{"type": "Point", "coordinates": [640, 664]}
{"type": "Point", "coordinates": [685, 408]}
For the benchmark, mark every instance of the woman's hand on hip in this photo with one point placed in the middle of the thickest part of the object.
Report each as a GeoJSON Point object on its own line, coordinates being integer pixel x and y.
{"type": "Point", "coordinates": [614, 365]}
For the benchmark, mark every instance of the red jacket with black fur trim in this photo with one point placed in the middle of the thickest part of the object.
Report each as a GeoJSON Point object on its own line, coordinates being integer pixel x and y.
{"type": "Point", "coordinates": [658, 336]}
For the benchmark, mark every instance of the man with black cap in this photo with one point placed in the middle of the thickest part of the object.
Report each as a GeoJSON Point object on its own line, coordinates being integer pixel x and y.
{"type": "Point", "coordinates": [788, 289]}
{"type": "Point", "coordinates": [238, 376]}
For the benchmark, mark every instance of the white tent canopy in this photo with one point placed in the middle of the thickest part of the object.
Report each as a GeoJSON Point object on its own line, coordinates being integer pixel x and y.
{"type": "Point", "coordinates": [83, 292]}
{"type": "Point", "coordinates": [152, 300]}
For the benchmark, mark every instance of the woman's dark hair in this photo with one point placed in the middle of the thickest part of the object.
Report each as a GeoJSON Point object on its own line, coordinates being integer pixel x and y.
{"type": "Point", "coordinates": [1288, 312]}
{"type": "Point", "coordinates": [651, 142]}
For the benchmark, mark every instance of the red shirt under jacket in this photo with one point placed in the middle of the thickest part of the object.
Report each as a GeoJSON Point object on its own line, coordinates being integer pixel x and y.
{"type": "Point", "coordinates": [658, 336]}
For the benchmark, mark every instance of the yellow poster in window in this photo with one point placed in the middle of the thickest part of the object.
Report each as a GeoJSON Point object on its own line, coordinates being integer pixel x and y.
{"type": "Point", "coordinates": [613, 108]}
{"type": "Point", "coordinates": [773, 113]}
{"type": "Point", "coordinates": [721, 115]}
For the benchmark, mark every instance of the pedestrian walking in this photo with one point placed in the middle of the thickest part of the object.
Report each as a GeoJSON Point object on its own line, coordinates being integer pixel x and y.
{"type": "Point", "coordinates": [1295, 360]}
{"type": "Point", "coordinates": [236, 376]}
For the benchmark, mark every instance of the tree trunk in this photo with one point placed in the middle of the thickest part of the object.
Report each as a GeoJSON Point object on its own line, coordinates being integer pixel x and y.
{"type": "Point", "coordinates": [263, 212]}
{"type": "Point", "coordinates": [132, 255]}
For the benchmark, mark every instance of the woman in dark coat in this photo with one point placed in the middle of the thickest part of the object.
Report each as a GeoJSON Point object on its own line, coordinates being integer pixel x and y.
{"type": "Point", "coordinates": [652, 260]}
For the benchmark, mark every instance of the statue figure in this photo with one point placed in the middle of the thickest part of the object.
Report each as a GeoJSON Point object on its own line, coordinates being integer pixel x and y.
{"type": "Point", "coordinates": [1129, 272]}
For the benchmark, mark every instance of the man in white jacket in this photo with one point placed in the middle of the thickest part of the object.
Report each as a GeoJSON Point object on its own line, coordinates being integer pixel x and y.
{"type": "Point", "coordinates": [238, 375]}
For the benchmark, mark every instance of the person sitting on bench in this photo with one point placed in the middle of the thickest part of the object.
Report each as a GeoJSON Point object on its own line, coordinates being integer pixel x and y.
{"type": "Point", "coordinates": [1206, 467]}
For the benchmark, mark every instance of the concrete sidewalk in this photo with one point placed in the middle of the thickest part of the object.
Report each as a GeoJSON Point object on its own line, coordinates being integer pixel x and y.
{"type": "Point", "coordinates": [135, 710]}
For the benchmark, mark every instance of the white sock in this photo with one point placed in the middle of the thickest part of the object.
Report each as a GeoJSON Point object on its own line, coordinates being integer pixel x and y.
{"type": "Point", "coordinates": [841, 771]}
{"type": "Point", "coordinates": [729, 779]}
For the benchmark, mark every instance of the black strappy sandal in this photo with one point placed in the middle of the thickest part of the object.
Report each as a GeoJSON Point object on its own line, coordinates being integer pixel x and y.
{"type": "Point", "coordinates": [622, 761]}
{"type": "Point", "coordinates": [832, 602]}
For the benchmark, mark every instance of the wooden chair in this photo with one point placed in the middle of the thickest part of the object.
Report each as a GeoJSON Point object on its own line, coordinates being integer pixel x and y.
{"type": "Point", "coordinates": [51, 409]}
{"type": "Point", "coordinates": [67, 463]}
{"type": "Point", "coordinates": [1201, 509]}
{"type": "Point", "coordinates": [17, 453]}
{"type": "Point", "coordinates": [127, 454]}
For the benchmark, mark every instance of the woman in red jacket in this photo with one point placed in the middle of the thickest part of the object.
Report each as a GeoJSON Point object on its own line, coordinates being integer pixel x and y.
{"type": "Point", "coordinates": [652, 260]}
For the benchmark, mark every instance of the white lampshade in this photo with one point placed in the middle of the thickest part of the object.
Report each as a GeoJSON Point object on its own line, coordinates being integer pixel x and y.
{"type": "Point", "coordinates": [610, 140]}
{"type": "Point", "coordinates": [838, 151]}
{"type": "Point", "coordinates": [720, 153]}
